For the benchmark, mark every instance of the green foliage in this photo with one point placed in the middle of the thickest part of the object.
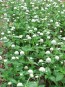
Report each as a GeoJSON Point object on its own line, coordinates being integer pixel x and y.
{"type": "Point", "coordinates": [33, 53]}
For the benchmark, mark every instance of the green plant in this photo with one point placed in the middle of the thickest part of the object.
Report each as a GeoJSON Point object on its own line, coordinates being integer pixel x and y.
{"type": "Point", "coordinates": [34, 43]}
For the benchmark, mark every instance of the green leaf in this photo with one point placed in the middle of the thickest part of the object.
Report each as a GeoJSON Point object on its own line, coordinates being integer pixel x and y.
{"type": "Point", "coordinates": [32, 84]}
{"type": "Point", "coordinates": [59, 77]}
{"type": "Point", "coordinates": [52, 78]}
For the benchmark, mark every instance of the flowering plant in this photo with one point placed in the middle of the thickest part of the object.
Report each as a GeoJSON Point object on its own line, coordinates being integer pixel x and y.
{"type": "Point", "coordinates": [33, 52]}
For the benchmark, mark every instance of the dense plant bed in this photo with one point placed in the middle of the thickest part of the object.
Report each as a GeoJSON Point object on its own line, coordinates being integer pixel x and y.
{"type": "Point", "coordinates": [33, 48]}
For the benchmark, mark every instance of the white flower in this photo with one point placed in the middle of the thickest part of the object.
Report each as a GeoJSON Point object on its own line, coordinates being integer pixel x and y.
{"type": "Point", "coordinates": [34, 35]}
{"type": "Point", "coordinates": [41, 40]}
{"type": "Point", "coordinates": [2, 33]}
{"type": "Point", "coordinates": [47, 52]}
{"type": "Point", "coordinates": [42, 69]}
{"type": "Point", "coordinates": [17, 57]}
{"type": "Point", "coordinates": [31, 75]}
{"type": "Point", "coordinates": [48, 32]}
{"type": "Point", "coordinates": [28, 37]}
{"type": "Point", "coordinates": [36, 76]}
{"type": "Point", "coordinates": [30, 31]}
{"type": "Point", "coordinates": [5, 60]}
{"type": "Point", "coordinates": [51, 49]}
{"type": "Point", "coordinates": [63, 38]}
{"type": "Point", "coordinates": [53, 42]}
{"type": "Point", "coordinates": [48, 60]}
{"type": "Point", "coordinates": [40, 61]}
{"type": "Point", "coordinates": [15, 7]}
{"type": "Point", "coordinates": [35, 29]}
{"type": "Point", "coordinates": [13, 58]}
{"type": "Point", "coordinates": [20, 36]}
{"type": "Point", "coordinates": [21, 74]}
{"type": "Point", "coordinates": [41, 34]}
{"type": "Point", "coordinates": [33, 20]}
{"type": "Point", "coordinates": [0, 57]}
{"type": "Point", "coordinates": [9, 32]}
{"type": "Point", "coordinates": [57, 57]}
{"type": "Point", "coordinates": [22, 52]}
{"type": "Point", "coordinates": [57, 24]}
{"type": "Point", "coordinates": [19, 84]}
{"type": "Point", "coordinates": [12, 45]}
{"type": "Point", "coordinates": [48, 37]}
{"type": "Point", "coordinates": [9, 83]}
{"type": "Point", "coordinates": [16, 52]}
{"type": "Point", "coordinates": [4, 37]}
{"type": "Point", "coordinates": [26, 67]}
{"type": "Point", "coordinates": [30, 71]}
{"type": "Point", "coordinates": [12, 28]}
{"type": "Point", "coordinates": [51, 20]}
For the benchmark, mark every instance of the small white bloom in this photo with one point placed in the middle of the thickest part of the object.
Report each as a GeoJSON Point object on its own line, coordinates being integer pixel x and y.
{"type": "Point", "coordinates": [13, 28]}
{"type": "Point", "coordinates": [41, 34]}
{"type": "Point", "coordinates": [16, 52]}
{"type": "Point", "coordinates": [40, 61]}
{"type": "Point", "coordinates": [31, 75]}
{"type": "Point", "coordinates": [36, 76]}
{"type": "Point", "coordinates": [34, 35]}
{"type": "Point", "coordinates": [30, 71]}
{"type": "Point", "coordinates": [20, 36]}
{"type": "Point", "coordinates": [0, 57]}
{"type": "Point", "coordinates": [13, 58]}
{"type": "Point", "coordinates": [26, 67]}
{"type": "Point", "coordinates": [19, 84]}
{"type": "Point", "coordinates": [35, 29]}
{"type": "Point", "coordinates": [51, 20]}
{"type": "Point", "coordinates": [53, 42]}
{"type": "Point", "coordinates": [5, 38]}
{"type": "Point", "coordinates": [9, 32]}
{"type": "Point", "coordinates": [57, 24]}
{"type": "Point", "coordinates": [5, 60]}
{"type": "Point", "coordinates": [48, 37]}
{"type": "Point", "coordinates": [48, 32]}
{"type": "Point", "coordinates": [63, 38]}
{"type": "Point", "coordinates": [57, 57]}
{"type": "Point", "coordinates": [51, 49]}
{"type": "Point", "coordinates": [47, 52]}
{"type": "Point", "coordinates": [30, 31]}
{"type": "Point", "coordinates": [41, 40]}
{"type": "Point", "coordinates": [48, 60]}
{"type": "Point", "coordinates": [2, 33]}
{"type": "Point", "coordinates": [9, 83]}
{"type": "Point", "coordinates": [28, 37]}
{"type": "Point", "coordinates": [15, 7]}
{"type": "Point", "coordinates": [12, 45]}
{"type": "Point", "coordinates": [22, 52]}
{"type": "Point", "coordinates": [42, 69]}
{"type": "Point", "coordinates": [21, 74]}
{"type": "Point", "coordinates": [17, 57]}
{"type": "Point", "coordinates": [33, 20]}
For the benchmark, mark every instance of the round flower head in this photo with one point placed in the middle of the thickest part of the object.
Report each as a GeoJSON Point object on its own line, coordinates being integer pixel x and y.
{"type": "Point", "coordinates": [9, 83]}
{"type": "Point", "coordinates": [47, 52]}
{"type": "Point", "coordinates": [42, 69]}
{"type": "Point", "coordinates": [12, 45]}
{"type": "Point", "coordinates": [19, 84]}
{"type": "Point", "coordinates": [0, 57]}
{"type": "Point", "coordinates": [57, 57]}
{"type": "Point", "coordinates": [53, 42]}
{"type": "Point", "coordinates": [30, 71]}
{"type": "Point", "coordinates": [16, 52]}
{"type": "Point", "coordinates": [31, 75]}
{"type": "Point", "coordinates": [22, 52]}
{"type": "Point", "coordinates": [48, 60]}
